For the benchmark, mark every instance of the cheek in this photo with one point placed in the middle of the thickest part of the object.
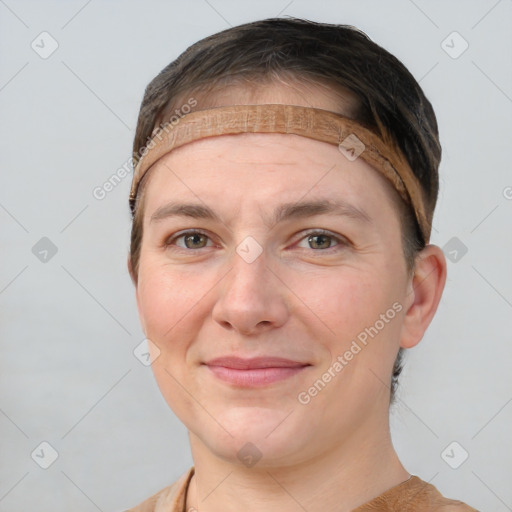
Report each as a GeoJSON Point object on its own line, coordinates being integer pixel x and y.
{"type": "Point", "coordinates": [156, 296]}
{"type": "Point", "coordinates": [167, 299]}
{"type": "Point", "coordinates": [356, 306]}
{"type": "Point", "coordinates": [344, 300]}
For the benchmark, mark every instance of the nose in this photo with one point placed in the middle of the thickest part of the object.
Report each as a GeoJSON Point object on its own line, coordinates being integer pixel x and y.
{"type": "Point", "coordinates": [252, 298]}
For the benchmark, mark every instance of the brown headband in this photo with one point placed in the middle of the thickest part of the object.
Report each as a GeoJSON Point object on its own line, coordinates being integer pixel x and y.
{"type": "Point", "coordinates": [352, 138]}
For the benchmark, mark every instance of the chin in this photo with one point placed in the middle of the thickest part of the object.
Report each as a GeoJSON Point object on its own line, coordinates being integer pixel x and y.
{"type": "Point", "coordinates": [268, 435]}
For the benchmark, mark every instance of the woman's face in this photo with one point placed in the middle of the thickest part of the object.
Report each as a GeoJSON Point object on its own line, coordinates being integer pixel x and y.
{"type": "Point", "coordinates": [242, 258]}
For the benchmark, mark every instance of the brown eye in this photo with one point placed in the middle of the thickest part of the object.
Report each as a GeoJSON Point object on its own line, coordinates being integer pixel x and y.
{"type": "Point", "coordinates": [191, 240]}
{"type": "Point", "coordinates": [320, 241]}
{"type": "Point", "coordinates": [195, 240]}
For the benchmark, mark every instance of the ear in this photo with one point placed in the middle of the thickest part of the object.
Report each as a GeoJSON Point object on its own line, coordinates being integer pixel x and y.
{"type": "Point", "coordinates": [424, 294]}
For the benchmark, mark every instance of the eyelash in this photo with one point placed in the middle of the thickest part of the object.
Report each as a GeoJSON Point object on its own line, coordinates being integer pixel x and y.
{"type": "Point", "coordinates": [318, 232]}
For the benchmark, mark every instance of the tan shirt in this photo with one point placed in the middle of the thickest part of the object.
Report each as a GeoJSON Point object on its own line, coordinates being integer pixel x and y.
{"type": "Point", "coordinates": [413, 495]}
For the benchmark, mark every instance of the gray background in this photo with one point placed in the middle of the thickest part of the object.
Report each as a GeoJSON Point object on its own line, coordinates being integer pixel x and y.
{"type": "Point", "coordinates": [69, 323]}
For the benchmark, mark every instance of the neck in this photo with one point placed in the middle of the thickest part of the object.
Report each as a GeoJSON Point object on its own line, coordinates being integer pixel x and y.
{"type": "Point", "coordinates": [353, 472]}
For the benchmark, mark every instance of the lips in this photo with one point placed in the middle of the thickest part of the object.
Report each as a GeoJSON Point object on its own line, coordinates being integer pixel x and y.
{"type": "Point", "coordinates": [240, 363]}
{"type": "Point", "coordinates": [256, 371]}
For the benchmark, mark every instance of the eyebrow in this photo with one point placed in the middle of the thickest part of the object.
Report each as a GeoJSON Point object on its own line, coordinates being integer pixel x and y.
{"type": "Point", "coordinates": [286, 211]}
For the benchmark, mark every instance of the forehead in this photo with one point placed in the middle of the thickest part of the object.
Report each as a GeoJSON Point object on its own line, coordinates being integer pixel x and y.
{"type": "Point", "coordinates": [286, 88]}
{"type": "Point", "coordinates": [230, 172]}
{"type": "Point", "coordinates": [264, 167]}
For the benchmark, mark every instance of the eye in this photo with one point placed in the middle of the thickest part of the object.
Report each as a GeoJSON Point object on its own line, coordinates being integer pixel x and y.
{"type": "Point", "coordinates": [191, 240]}
{"type": "Point", "coordinates": [318, 240]}
{"type": "Point", "coordinates": [321, 240]}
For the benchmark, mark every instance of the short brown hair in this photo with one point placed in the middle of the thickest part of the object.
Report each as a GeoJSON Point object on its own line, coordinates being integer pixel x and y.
{"type": "Point", "coordinates": [341, 56]}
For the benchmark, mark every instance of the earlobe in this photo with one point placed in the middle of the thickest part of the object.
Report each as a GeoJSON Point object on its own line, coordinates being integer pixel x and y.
{"type": "Point", "coordinates": [424, 294]}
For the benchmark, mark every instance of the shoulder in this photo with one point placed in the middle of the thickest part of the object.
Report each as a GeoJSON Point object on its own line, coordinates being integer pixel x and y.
{"type": "Point", "coordinates": [170, 498]}
{"type": "Point", "coordinates": [414, 494]}
{"type": "Point", "coordinates": [434, 499]}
